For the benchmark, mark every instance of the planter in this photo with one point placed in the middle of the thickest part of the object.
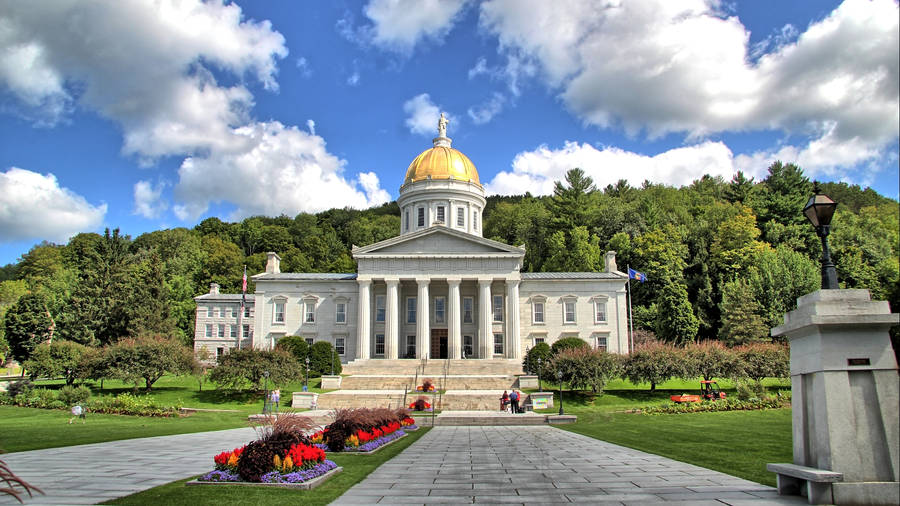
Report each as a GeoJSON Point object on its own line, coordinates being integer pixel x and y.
{"type": "Point", "coordinates": [308, 400]}
{"type": "Point", "coordinates": [306, 485]}
{"type": "Point", "coordinates": [528, 381]}
{"type": "Point", "coordinates": [330, 383]}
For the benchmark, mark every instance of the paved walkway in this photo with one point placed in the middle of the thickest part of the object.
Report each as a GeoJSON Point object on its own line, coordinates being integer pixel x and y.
{"type": "Point", "coordinates": [544, 465]}
{"type": "Point", "coordinates": [88, 474]}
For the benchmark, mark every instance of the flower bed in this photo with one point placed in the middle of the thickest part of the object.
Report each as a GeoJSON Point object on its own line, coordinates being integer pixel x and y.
{"type": "Point", "coordinates": [363, 430]}
{"type": "Point", "coordinates": [721, 405]}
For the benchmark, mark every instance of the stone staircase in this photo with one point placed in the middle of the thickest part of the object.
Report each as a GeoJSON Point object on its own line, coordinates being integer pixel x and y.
{"type": "Point", "coordinates": [473, 385]}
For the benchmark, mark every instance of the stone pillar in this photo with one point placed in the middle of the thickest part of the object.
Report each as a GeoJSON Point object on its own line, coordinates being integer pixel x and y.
{"type": "Point", "coordinates": [392, 319]}
{"type": "Point", "coordinates": [513, 340]}
{"type": "Point", "coordinates": [454, 339]}
{"type": "Point", "coordinates": [363, 332]}
{"type": "Point", "coordinates": [423, 329]}
{"type": "Point", "coordinates": [485, 333]}
{"type": "Point", "coordinates": [845, 393]}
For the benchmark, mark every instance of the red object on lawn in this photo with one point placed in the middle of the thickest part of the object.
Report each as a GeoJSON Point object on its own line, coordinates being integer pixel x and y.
{"type": "Point", "coordinates": [709, 390]}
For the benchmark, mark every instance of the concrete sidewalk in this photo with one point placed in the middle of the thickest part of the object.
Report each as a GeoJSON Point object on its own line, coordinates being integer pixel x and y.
{"type": "Point", "coordinates": [88, 474]}
{"type": "Point", "coordinates": [544, 465]}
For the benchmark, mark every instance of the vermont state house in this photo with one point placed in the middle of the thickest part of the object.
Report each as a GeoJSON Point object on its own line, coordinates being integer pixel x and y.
{"type": "Point", "coordinates": [438, 290]}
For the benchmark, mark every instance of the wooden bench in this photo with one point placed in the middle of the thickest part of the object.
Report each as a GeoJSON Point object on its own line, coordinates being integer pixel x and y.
{"type": "Point", "coordinates": [791, 479]}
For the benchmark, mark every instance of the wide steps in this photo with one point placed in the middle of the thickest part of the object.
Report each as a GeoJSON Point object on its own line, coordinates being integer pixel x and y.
{"type": "Point", "coordinates": [433, 368]}
{"type": "Point", "coordinates": [456, 400]}
{"type": "Point", "coordinates": [453, 382]}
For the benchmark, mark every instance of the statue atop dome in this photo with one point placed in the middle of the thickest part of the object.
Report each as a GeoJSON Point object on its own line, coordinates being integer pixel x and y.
{"type": "Point", "coordinates": [442, 126]}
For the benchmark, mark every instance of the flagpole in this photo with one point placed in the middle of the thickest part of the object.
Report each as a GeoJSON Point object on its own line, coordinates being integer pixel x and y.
{"type": "Point", "coordinates": [241, 313]}
{"type": "Point", "coordinates": [630, 319]}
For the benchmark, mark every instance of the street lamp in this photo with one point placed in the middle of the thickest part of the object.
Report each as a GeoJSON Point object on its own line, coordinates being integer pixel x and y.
{"type": "Point", "coordinates": [266, 406]}
{"type": "Point", "coordinates": [540, 388]}
{"type": "Point", "coordinates": [819, 211]}
{"type": "Point", "coordinates": [306, 381]}
{"type": "Point", "coordinates": [559, 378]}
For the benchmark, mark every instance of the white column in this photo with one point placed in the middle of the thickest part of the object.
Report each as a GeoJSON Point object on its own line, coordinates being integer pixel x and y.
{"type": "Point", "coordinates": [423, 329]}
{"type": "Point", "coordinates": [455, 338]}
{"type": "Point", "coordinates": [485, 335]}
{"type": "Point", "coordinates": [392, 320]}
{"type": "Point", "coordinates": [363, 332]}
{"type": "Point", "coordinates": [513, 340]}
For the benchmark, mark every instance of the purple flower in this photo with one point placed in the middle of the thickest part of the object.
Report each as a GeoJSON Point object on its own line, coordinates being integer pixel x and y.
{"type": "Point", "coordinates": [271, 477]}
{"type": "Point", "coordinates": [220, 476]}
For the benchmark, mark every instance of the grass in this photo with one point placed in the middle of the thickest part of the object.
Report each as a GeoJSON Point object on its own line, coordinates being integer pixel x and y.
{"type": "Point", "coordinates": [356, 468]}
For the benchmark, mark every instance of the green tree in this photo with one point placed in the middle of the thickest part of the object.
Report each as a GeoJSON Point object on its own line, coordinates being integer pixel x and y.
{"type": "Point", "coordinates": [711, 359]}
{"type": "Point", "coordinates": [574, 251]}
{"type": "Point", "coordinates": [778, 279]}
{"type": "Point", "coordinates": [654, 363]}
{"type": "Point", "coordinates": [322, 358]}
{"type": "Point", "coordinates": [568, 343]}
{"type": "Point", "coordinates": [296, 346]}
{"type": "Point", "coordinates": [675, 320]}
{"type": "Point", "coordinates": [740, 189]}
{"type": "Point", "coordinates": [764, 360]}
{"type": "Point", "coordinates": [147, 358]}
{"type": "Point", "coordinates": [148, 304]}
{"type": "Point", "coordinates": [27, 324]}
{"type": "Point", "coordinates": [246, 367]}
{"type": "Point", "coordinates": [584, 368]}
{"type": "Point", "coordinates": [530, 364]}
{"type": "Point", "coordinates": [61, 358]}
{"type": "Point", "coordinates": [741, 320]}
{"type": "Point", "coordinates": [222, 264]}
{"type": "Point", "coordinates": [572, 202]}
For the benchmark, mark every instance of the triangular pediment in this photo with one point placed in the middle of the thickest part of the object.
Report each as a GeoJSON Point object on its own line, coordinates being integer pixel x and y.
{"type": "Point", "coordinates": [437, 240]}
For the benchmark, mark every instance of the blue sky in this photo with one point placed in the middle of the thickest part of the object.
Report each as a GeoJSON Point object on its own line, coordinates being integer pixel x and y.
{"type": "Point", "coordinates": [146, 115]}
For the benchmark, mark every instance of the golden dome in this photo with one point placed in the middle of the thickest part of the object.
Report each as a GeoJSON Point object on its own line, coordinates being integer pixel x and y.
{"type": "Point", "coordinates": [441, 162]}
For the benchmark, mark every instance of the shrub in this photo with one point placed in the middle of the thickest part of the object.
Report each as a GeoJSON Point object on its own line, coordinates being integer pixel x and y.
{"type": "Point", "coordinates": [568, 343]}
{"type": "Point", "coordinates": [147, 358]}
{"type": "Point", "coordinates": [723, 405]}
{"type": "Point", "coordinates": [750, 390]}
{"type": "Point", "coordinates": [654, 363]}
{"type": "Point", "coordinates": [59, 358]}
{"type": "Point", "coordinates": [584, 368]}
{"type": "Point", "coordinates": [420, 404]}
{"type": "Point", "coordinates": [22, 386]}
{"type": "Point", "coordinates": [542, 351]}
{"type": "Point", "coordinates": [765, 360]}
{"type": "Point", "coordinates": [711, 359]}
{"type": "Point", "coordinates": [70, 395]}
{"type": "Point", "coordinates": [296, 346]}
{"type": "Point", "coordinates": [242, 368]}
{"type": "Point", "coordinates": [256, 460]}
{"type": "Point", "coordinates": [322, 356]}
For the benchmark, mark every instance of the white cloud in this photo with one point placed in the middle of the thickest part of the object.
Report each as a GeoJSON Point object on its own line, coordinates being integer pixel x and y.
{"type": "Point", "coordinates": [311, 126]}
{"type": "Point", "coordinates": [148, 200]}
{"type": "Point", "coordinates": [536, 171]}
{"type": "Point", "coordinates": [398, 25]}
{"type": "Point", "coordinates": [34, 206]}
{"type": "Point", "coordinates": [685, 67]}
{"type": "Point", "coordinates": [274, 169]}
{"type": "Point", "coordinates": [422, 115]}
{"type": "Point", "coordinates": [486, 111]}
{"type": "Point", "coordinates": [353, 80]}
{"type": "Point", "coordinates": [303, 67]}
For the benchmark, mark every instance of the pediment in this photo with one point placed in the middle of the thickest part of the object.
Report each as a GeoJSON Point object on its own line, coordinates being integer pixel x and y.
{"type": "Point", "coordinates": [437, 240]}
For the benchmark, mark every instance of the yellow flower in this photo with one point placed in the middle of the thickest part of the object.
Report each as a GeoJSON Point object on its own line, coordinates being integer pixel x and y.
{"type": "Point", "coordinates": [232, 460]}
{"type": "Point", "coordinates": [288, 464]}
{"type": "Point", "coordinates": [277, 460]}
{"type": "Point", "coordinates": [353, 441]}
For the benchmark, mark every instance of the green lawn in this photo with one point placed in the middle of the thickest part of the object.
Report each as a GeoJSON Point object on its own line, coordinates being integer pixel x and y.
{"type": "Point", "coordinates": [356, 467]}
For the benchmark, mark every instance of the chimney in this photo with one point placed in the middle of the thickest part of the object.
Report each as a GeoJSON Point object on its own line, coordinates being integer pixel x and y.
{"type": "Point", "coordinates": [214, 289]}
{"type": "Point", "coordinates": [273, 263]}
{"type": "Point", "coordinates": [611, 261]}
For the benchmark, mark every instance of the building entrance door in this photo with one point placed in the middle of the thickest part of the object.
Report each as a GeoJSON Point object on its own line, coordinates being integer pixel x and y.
{"type": "Point", "coordinates": [438, 343]}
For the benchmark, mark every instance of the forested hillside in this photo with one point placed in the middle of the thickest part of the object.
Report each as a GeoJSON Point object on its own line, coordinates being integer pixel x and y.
{"type": "Point", "coordinates": [724, 259]}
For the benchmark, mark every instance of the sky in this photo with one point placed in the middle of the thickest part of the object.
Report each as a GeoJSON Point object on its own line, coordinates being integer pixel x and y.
{"type": "Point", "coordinates": [146, 115]}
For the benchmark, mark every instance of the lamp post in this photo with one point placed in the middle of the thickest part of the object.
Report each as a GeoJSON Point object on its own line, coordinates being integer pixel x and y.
{"type": "Point", "coordinates": [540, 388]}
{"type": "Point", "coordinates": [266, 406]}
{"type": "Point", "coordinates": [819, 211]}
{"type": "Point", "coordinates": [559, 379]}
{"type": "Point", "coordinates": [306, 381]}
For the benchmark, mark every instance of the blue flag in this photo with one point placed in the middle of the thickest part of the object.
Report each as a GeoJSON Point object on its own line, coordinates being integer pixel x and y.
{"type": "Point", "coordinates": [633, 274]}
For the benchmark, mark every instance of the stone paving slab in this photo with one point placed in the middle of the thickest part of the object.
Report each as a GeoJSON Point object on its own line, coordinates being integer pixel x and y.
{"type": "Point", "coordinates": [544, 465]}
{"type": "Point", "coordinates": [88, 474]}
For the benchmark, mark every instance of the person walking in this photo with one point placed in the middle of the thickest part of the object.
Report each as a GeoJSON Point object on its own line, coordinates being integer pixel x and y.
{"type": "Point", "coordinates": [514, 400]}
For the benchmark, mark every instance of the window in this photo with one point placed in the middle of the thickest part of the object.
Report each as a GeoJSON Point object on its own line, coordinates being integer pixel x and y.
{"type": "Point", "coordinates": [246, 311]}
{"type": "Point", "coordinates": [411, 310]}
{"type": "Point", "coordinates": [599, 311]}
{"type": "Point", "coordinates": [498, 344]}
{"type": "Point", "coordinates": [410, 347]}
{"type": "Point", "coordinates": [219, 352]}
{"type": "Point", "coordinates": [538, 340]}
{"type": "Point", "coordinates": [379, 344]}
{"type": "Point", "coordinates": [475, 220]}
{"type": "Point", "coordinates": [309, 311]}
{"type": "Point", "coordinates": [420, 217]}
{"type": "Point", "coordinates": [439, 309]}
{"type": "Point", "coordinates": [209, 330]}
{"type": "Point", "coordinates": [379, 308]}
{"type": "Point", "coordinates": [340, 315]}
{"type": "Point", "coordinates": [537, 312]}
{"type": "Point", "coordinates": [339, 345]}
{"type": "Point", "coordinates": [460, 216]}
{"type": "Point", "coordinates": [569, 311]}
{"type": "Point", "coordinates": [468, 305]}
{"type": "Point", "coordinates": [221, 331]}
{"type": "Point", "coordinates": [246, 330]}
{"type": "Point", "coordinates": [234, 330]}
{"type": "Point", "coordinates": [468, 347]}
{"type": "Point", "coordinates": [278, 316]}
{"type": "Point", "coordinates": [601, 343]}
{"type": "Point", "coordinates": [209, 311]}
{"type": "Point", "coordinates": [498, 308]}
{"type": "Point", "coordinates": [309, 340]}
{"type": "Point", "coordinates": [406, 219]}
{"type": "Point", "coordinates": [229, 311]}
{"type": "Point", "coordinates": [220, 311]}
{"type": "Point", "coordinates": [440, 214]}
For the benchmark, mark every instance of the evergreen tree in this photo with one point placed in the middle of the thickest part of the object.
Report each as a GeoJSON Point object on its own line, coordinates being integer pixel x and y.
{"type": "Point", "coordinates": [741, 322]}
{"type": "Point", "coordinates": [740, 189]}
{"type": "Point", "coordinates": [675, 320]}
{"type": "Point", "coordinates": [27, 324]}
